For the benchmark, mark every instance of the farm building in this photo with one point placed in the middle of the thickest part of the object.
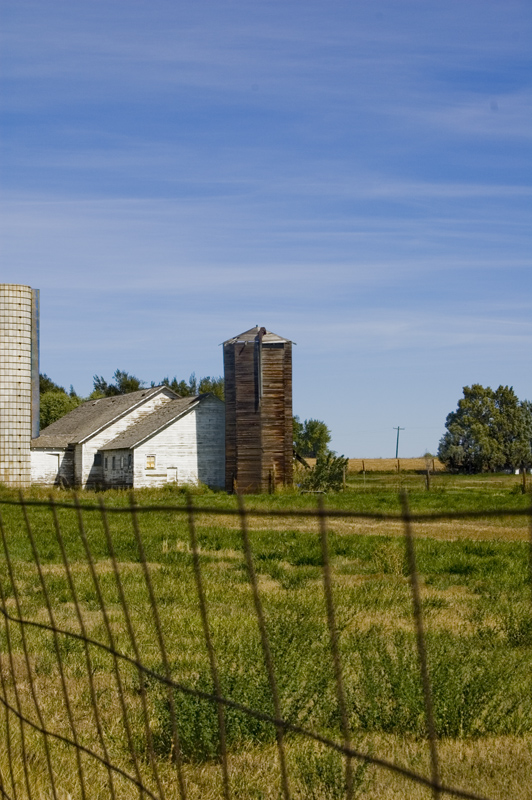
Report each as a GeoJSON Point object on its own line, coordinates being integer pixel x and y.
{"type": "Point", "coordinates": [258, 421]}
{"type": "Point", "coordinates": [145, 438]}
{"type": "Point", "coordinates": [152, 436]}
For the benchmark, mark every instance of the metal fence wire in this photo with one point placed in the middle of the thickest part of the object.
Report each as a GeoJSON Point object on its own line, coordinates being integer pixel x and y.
{"type": "Point", "coordinates": [88, 658]}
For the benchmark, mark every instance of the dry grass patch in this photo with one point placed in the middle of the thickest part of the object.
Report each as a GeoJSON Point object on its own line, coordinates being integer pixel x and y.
{"type": "Point", "coordinates": [448, 530]}
{"type": "Point", "coordinates": [495, 767]}
{"type": "Point", "coordinates": [393, 464]}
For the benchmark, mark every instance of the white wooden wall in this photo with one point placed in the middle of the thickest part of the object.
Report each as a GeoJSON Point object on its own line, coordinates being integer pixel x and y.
{"type": "Point", "coordinates": [86, 473]}
{"type": "Point", "coordinates": [50, 466]}
{"type": "Point", "coordinates": [210, 433]}
{"type": "Point", "coordinates": [192, 449]}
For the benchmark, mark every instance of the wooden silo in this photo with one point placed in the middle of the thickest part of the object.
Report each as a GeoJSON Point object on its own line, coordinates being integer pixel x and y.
{"type": "Point", "coordinates": [258, 411]}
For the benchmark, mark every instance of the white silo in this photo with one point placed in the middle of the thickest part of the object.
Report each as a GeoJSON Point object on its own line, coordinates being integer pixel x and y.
{"type": "Point", "coordinates": [19, 381]}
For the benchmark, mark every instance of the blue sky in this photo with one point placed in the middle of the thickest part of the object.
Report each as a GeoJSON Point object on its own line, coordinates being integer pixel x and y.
{"type": "Point", "coordinates": [354, 176]}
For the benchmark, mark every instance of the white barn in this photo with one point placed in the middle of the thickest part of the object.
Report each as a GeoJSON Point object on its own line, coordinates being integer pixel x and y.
{"type": "Point", "coordinates": [182, 442]}
{"type": "Point", "coordinates": [144, 438]}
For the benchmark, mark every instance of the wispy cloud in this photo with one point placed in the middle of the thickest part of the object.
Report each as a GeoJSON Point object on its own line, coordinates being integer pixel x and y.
{"type": "Point", "coordinates": [195, 242]}
{"type": "Point", "coordinates": [354, 175]}
{"type": "Point", "coordinates": [497, 114]}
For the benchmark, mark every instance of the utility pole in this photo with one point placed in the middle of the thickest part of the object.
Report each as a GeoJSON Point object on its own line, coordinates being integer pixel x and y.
{"type": "Point", "coordinates": [397, 445]}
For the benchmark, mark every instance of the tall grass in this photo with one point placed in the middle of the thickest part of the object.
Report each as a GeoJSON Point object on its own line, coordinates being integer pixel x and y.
{"type": "Point", "coordinates": [475, 598]}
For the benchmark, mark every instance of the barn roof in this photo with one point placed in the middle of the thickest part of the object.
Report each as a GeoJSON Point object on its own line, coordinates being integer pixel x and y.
{"type": "Point", "coordinates": [250, 336]}
{"type": "Point", "coordinates": [90, 417]}
{"type": "Point", "coordinates": [154, 422]}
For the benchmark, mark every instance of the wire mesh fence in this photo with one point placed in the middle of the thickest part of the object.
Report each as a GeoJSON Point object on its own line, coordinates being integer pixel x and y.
{"type": "Point", "coordinates": [141, 643]}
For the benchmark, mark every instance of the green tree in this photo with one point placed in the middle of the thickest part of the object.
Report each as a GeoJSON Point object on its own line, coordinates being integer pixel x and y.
{"type": "Point", "coordinates": [311, 437]}
{"type": "Point", "coordinates": [124, 383]}
{"type": "Point", "coordinates": [194, 387]}
{"type": "Point", "coordinates": [55, 405]}
{"type": "Point", "coordinates": [297, 427]}
{"type": "Point", "coordinates": [182, 388]}
{"type": "Point", "coordinates": [490, 430]}
{"type": "Point", "coordinates": [46, 384]}
{"type": "Point", "coordinates": [213, 385]}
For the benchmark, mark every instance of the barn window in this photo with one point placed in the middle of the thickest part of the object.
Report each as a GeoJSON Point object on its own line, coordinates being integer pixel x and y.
{"type": "Point", "coordinates": [97, 459]}
{"type": "Point", "coordinates": [121, 462]}
{"type": "Point", "coordinates": [113, 463]}
{"type": "Point", "coordinates": [106, 462]}
{"type": "Point", "coordinates": [130, 460]}
{"type": "Point", "coordinates": [150, 462]}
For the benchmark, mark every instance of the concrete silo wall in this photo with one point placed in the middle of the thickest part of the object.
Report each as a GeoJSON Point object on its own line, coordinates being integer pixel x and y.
{"type": "Point", "coordinates": [19, 368]}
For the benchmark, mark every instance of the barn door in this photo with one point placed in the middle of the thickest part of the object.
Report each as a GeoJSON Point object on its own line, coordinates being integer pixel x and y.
{"type": "Point", "coordinates": [171, 475]}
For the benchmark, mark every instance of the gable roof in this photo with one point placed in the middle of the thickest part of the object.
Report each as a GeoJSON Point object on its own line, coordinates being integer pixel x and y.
{"type": "Point", "coordinates": [250, 336]}
{"type": "Point", "coordinates": [90, 417]}
{"type": "Point", "coordinates": [154, 422]}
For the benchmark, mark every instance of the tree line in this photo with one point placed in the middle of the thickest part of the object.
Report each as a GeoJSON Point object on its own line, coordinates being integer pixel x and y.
{"type": "Point", "coordinates": [311, 437]}
{"type": "Point", "coordinates": [55, 401]}
{"type": "Point", "coordinates": [491, 429]}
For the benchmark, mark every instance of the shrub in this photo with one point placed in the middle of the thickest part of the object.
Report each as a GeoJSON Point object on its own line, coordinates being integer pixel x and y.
{"type": "Point", "coordinates": [327, 475]}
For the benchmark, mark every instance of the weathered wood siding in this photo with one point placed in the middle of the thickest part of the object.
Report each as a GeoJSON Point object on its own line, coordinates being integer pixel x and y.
{"type": "Point", "coordinates": [117, 468]}
{"type": "Point", "coordinates": [190, 450]}
{"type": "Point", "coordinates": [243, 417]}
{"type": "Point", "coordinates": [276, 415]}
{"type": "Point", "coordinates": [210, 442]}
{"type": "Point", "coordinates": [86, 473]}
{"type": "Point", "coordinates": [258, 388]}
{"type": "Point", "coordinates": [230, 417]}
{"type": "Point", "coordinates": [52, 466]}
{"type": "Point", "coordinates": [78, 464]}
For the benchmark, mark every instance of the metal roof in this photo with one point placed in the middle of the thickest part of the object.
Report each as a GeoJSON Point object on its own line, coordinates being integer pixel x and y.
{"type": "Point", "coordinates": [250, 336]}
{"type": "Point", "coordinates": [154, 422]}
{"type": "Point", "coordinates": [91, 417]}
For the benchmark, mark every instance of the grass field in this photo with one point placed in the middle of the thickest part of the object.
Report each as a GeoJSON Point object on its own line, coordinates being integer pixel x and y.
{"type": "Point", "coordinates": [476, 599]}
{"type": "Point", "coordinates": [384, 474]}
